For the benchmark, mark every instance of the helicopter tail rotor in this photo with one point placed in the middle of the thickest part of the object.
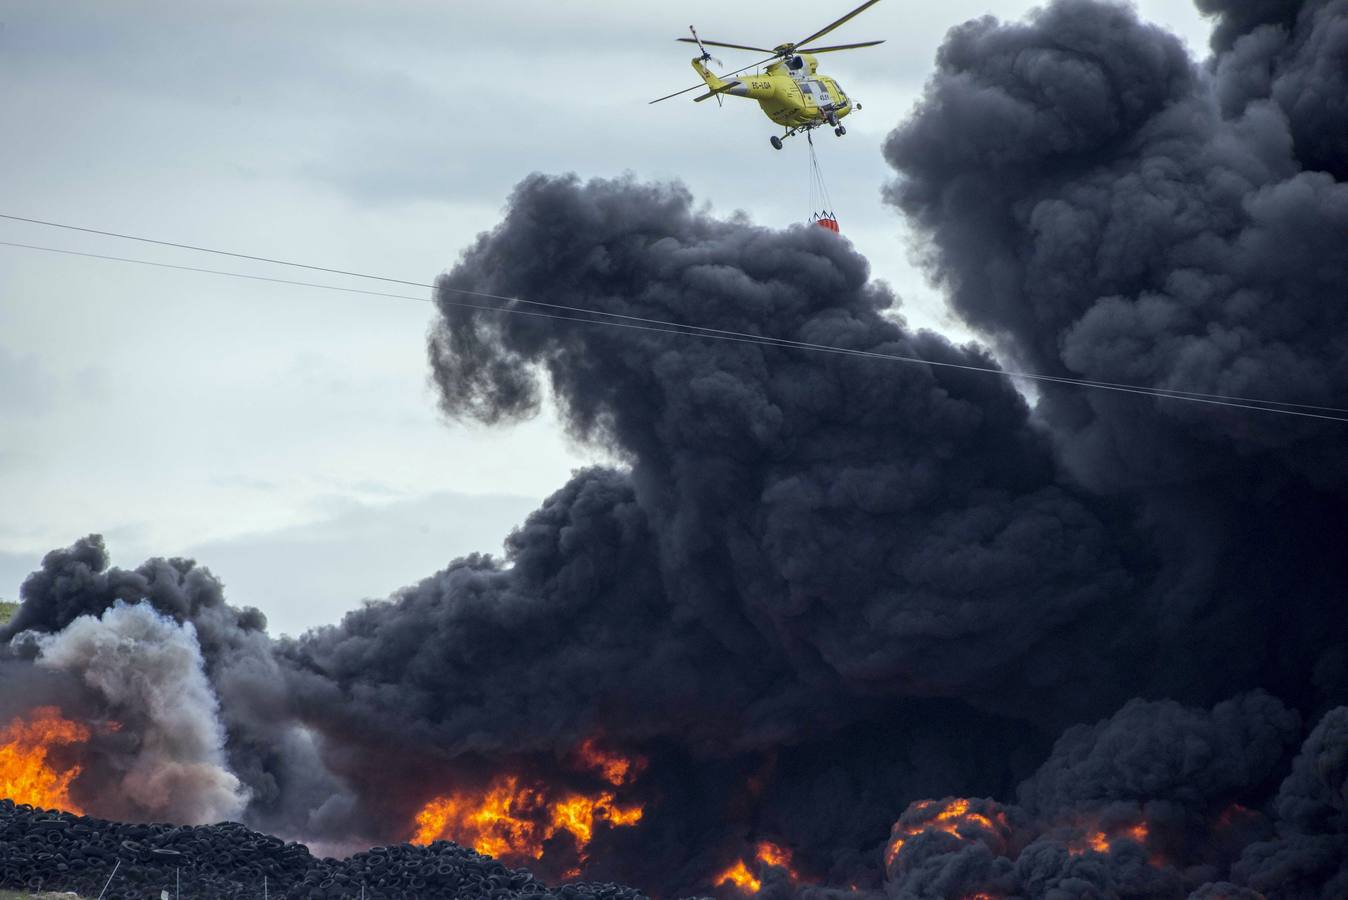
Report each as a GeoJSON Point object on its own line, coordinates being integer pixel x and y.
{"type": "Point", "coordinates": [705, 55]}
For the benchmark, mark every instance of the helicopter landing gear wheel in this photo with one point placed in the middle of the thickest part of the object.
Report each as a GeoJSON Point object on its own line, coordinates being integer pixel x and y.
{"type": "Point", "coordinates": [840, 130]}
{"type": "Point", "coordinates": [776, 142]}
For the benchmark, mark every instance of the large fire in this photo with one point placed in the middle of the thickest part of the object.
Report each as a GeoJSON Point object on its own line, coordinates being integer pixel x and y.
{"type": "Point", "coordinates": [991, 824]}
{"type": "Point", "coordinates": [952, 817]}
{"type": "Point", "coordinates": [514, 819]}
{"type": "Point", "coordinates": [26, 773]}
{"type": "Point", "coordinates": [743, 878]}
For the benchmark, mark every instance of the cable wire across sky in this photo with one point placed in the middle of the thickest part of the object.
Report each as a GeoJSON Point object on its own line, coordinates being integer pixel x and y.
{"type": "Point", "coordinates": [639, 323]}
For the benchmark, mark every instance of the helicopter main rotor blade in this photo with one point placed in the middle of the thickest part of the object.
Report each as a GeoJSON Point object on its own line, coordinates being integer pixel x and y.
{"type": "Point", "coordinates": [729, 74]}
{"type": "Point", "coordinates": [723, 44]}
{"type": "Point", "coordinates": [838, 47]}
{"type": "Point", "coordinates": [726, 75]}
{"type": "Point", "coordinates": [677, 93]}
{"type": "Point", "coordinates": [713, 93]}
{"type": "Point", "coordinates": [853, 14]}
{"type": "Point", "coordinates": [752, 65]}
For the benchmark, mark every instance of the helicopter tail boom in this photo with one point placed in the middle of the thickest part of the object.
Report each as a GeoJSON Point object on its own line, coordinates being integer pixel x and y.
{"type": "Point", "coordinates": [719, 85]}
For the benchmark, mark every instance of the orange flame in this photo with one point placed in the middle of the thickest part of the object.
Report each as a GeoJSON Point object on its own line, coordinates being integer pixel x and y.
{"type": "Point", "coordinates": [511, 819]}
{"type": "Point", "coordinates": [770, 854]}
{"type": "Point", "coordinates": [616, 768]}
{"type": "Point", "coordinates": [953, 816]}
{"type": "Point", "coordinates": [1103, 842]}
{"type": "Point", "coordinates": [740, 876]}
{"type": "Point", "coordinates": [25, 774]}
{"type": "Point", "coordinates": [765, 852]}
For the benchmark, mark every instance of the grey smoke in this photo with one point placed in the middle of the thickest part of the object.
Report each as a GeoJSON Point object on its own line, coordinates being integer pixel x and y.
{"type": "Point", "coordinates": [1309, 856]}
{"type": "Point", "coordinates": [289, 788]}
{"type": "Point", "coordinates": [148, 671]}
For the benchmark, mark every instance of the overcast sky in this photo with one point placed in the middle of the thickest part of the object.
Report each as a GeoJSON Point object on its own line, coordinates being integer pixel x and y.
{"type": "Point", "coordinates": [287, 437]}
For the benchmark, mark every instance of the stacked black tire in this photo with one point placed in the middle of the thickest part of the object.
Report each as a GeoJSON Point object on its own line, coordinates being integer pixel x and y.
{"type": "Point", "coordinates": [55, 851]}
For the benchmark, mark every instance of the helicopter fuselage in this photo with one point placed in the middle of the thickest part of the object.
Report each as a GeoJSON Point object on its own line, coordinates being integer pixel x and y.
{"type": "Point", "coordinates": [792, 97]}
{"type": "Point", "coordinates": [790, 91]}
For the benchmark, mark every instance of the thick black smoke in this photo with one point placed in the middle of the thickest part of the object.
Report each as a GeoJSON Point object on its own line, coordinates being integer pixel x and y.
{"type": "Point", "coordinates": [1293, 55]}
{"type": "Point", "coordinates": [1310, 852]}
{"type": "Point", "coordinates": [1120, 214]}
{"type": "Point", "coordinates": [1149, 803]}
{"type": "Point", "coordinates": [817, 592]}
{"type": "Point", "coordinates": [799, 540]}
{"type": "Point", "coordinates": [793, 530]}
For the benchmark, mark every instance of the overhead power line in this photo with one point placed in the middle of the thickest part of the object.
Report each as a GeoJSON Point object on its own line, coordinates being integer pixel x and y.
{"type": "Point", "coordinates": [145, 240]}
{"type": "Point", "coordinates": [642, 323]}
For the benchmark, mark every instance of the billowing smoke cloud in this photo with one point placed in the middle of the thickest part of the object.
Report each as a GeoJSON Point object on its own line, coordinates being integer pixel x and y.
{"type": "Point", "coordinates": [148, 672]}
{"type": "Point", "coordinates": [1121, 214]}
{"type": "Point", "coordinates": [1310, 852]}
{"type": "Point", "coordinates": [1289, 55]}
{"type": "Point", "coordinates": [1110, 218]}
{"type": "Point", "coordinates": [798, 541]}
{"type": "Point", "coordinates": [792, 531]}
{"type": "Point", "coordinates": [1148, 803]}
{"type": "Point", "coordinates": [822, 593]}
{"type": "Point", "coordinates": [274, 757]}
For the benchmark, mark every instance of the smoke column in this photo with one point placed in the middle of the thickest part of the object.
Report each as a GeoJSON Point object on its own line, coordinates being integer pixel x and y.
{"type": "Point", "coordinates": [1122, 214]}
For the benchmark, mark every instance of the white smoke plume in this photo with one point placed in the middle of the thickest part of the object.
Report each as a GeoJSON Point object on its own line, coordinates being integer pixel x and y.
{"type": "Point", "coordinates": [149, 670]}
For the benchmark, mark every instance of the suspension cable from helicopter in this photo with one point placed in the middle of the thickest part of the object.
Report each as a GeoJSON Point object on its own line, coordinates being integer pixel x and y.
{"type": "Point", "coordinates": [821, 204]}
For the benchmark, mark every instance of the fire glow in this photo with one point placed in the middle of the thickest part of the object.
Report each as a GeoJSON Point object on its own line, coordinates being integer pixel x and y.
{"type": "Point", "coordinates": [953, 817]}
{"type": "Point", "coordinates": [615, 768]}
{"type": "Point", "coordinates": [512, 819]}
{"type": "Point", "coordinates": [1102, 842]}
{"type": "Point", "coordinates": [26, 774]}
{"type": "Point", "coordinates": [743, 878]}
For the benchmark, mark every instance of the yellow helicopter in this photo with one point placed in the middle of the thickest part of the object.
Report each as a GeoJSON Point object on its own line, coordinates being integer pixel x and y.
{"type": "Point", "coordinates": [789, 91]}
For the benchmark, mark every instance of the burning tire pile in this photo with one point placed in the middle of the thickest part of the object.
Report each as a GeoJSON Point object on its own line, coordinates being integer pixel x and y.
{"type": "Point", "coordinates": [55, 851]}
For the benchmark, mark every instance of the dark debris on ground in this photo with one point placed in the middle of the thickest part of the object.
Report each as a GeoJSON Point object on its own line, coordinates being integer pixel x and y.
{"type": "Point", "coordinates": [42, 850]}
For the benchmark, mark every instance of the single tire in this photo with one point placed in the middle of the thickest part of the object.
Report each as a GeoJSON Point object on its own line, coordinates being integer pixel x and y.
{"type": "Point", "coordinates": [776, 142]}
